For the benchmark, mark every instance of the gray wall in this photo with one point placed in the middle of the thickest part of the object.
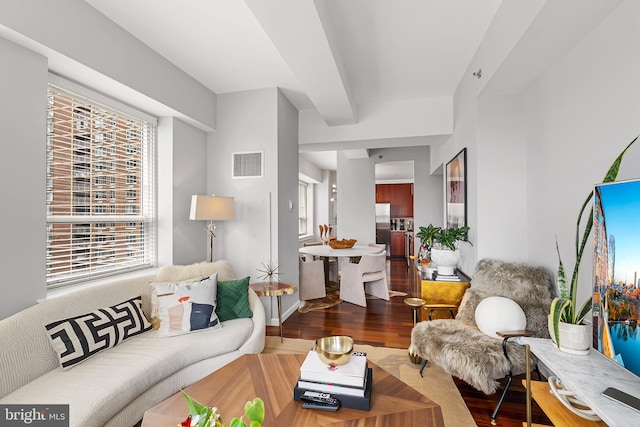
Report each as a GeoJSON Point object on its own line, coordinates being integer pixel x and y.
{"type": "Point", "coordinates": [263, 228]}
{"type": "Point", "coordinates": [23, 85]}
{"type": "Point", "coordinates": [182, 172]}
{"type": "Point", "coordinates": [34, 39]}
{"type": "Point", "coordinates": [356, 192]}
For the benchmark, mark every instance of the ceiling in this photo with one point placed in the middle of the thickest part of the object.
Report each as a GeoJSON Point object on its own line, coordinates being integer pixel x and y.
{"type": "Point", "coordinates": [325, 55]}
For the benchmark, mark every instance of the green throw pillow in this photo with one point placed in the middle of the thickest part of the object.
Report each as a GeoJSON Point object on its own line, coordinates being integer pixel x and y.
{"type": "Point", "coordinates": [233, 299]}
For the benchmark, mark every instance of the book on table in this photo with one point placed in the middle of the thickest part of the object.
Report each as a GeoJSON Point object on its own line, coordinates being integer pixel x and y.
{"type": "Point", "coordinates": [352, 373]}
{"type": "Point", "coordinates": [362, 403]}
{"type": "Point", "coordinates": [333, 388]}
{"type": "Point", "coordinates": [447, 277]}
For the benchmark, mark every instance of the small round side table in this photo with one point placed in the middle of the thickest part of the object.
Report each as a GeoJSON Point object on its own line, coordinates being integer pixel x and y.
{"type": "Point", "coordinates": [274, 289]}
{"type": "Point", "coordinates": [415, 304]}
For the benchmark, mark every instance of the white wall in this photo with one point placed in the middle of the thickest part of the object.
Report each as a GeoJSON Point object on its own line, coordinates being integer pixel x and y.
{"type": "Point", "coordinates": [501, 170]}
{"type": "Point", "coordinates": [80, 41]}
{"type": "Point", "coordinates": [23, 85]}
{"type": "Point", "coordinates": [356, 199]}
{"type": "Point", "coordinates": [23, 82]}
{"type": "Point", "coordinates": [356, 192]}
{"type": "Point", "coordinates": [263, 225]}
{"type": "Point", "coordinates": [189, 176]}
{"type": "Point", "coordinates": [287, 254]}
{"type": "Point", "coordinates": [579, 116]}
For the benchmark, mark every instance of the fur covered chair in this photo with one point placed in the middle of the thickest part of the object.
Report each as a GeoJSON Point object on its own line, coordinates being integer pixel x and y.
{"type": "Point", "coordinates": [463, 350]}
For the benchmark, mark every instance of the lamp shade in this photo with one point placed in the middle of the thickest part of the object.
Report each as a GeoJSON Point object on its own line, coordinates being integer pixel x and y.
{"type": "Point", "coordinates": [211, 208]}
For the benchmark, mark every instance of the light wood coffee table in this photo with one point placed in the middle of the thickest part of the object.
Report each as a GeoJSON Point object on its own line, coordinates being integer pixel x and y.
{"type": "Point", "coordinates": [272, 378]}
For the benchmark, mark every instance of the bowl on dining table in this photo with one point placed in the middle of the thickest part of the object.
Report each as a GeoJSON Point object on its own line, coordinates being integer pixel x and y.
{"type": "Point", "coordinates": [342, 244]}
{"type": "Point", "coordinates": [334, 350]}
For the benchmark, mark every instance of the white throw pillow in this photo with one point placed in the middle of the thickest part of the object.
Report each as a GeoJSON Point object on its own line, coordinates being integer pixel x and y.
{"type": "Point", "coordinates": [186, 306]}
{"type": "Point", "coordinates": [495, 314]}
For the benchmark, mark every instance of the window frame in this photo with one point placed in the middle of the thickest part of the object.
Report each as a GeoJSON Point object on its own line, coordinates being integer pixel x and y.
{"type": "Point", "coordinates": [143, 222]}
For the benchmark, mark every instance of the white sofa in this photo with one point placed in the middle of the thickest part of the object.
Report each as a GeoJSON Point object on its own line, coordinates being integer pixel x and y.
{"type": "Point", "coordinates": [115, 386]}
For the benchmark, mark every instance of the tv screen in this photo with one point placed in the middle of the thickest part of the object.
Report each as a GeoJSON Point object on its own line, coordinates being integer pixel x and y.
{"type": "Point", "coordinates": [616, 272]}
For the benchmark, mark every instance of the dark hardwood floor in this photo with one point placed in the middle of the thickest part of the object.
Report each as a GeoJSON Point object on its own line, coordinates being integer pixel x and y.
{"type": "Point", "coordinates": [389, 324]}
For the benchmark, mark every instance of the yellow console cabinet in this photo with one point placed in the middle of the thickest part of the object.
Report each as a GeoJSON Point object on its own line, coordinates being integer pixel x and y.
{"type": "Point", "coordinates": [443, 298]}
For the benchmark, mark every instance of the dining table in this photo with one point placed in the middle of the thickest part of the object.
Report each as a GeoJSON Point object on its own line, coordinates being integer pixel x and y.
{"type": "Point", "coordinates": [326, 252]}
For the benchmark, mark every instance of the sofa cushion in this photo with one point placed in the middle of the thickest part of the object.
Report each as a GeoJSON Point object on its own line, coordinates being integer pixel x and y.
{"type": "Point", "coordinates": [114, 378]}
{"type": "Point", "coordinates": [186, 306]}
{"type": "Point", "coordinates": [495, 314]}
{"type": "Point", "coordinates": [80, 337]}
{"type": "Point", "coordinates": [233, 299]}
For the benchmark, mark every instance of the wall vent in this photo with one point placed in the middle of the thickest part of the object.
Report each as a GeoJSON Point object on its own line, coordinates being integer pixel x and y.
{"type": "Point", "coordinates": [247, 164]}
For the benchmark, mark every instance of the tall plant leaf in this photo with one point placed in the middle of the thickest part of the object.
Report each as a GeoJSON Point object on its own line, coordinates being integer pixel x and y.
{"type": "Point", "coordinates": [561, 276]}
{"type": "Point", "coordinates": [565, 307]}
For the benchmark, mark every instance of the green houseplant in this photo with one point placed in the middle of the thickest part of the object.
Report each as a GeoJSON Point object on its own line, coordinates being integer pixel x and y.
{"type": "Point", "coordinates": [204, 416]}
{"type": "Point", "coordinates": [441, 245]}
{"type": "Point", "coordinates": [441, 238]}
{"type": "Point", "coordinates": [564, 308]}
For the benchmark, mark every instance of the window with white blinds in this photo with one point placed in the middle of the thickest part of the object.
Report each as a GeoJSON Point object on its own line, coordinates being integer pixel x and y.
{"type": "Point", "coordinates": [100, 189]}
{"type": "Point", "coordinates": [302, 208]}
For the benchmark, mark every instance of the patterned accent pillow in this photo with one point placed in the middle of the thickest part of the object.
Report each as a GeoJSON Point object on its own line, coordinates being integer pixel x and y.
{"type": "Point", "coordinates": [233, 299]}
{"type": "Point", "coordinates": [78, 338]}
{"type": "Point", "coordinates": [186, 306]}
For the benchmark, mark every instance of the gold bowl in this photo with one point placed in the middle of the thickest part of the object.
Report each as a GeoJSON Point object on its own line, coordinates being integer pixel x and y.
{"type": "Point", "coordinates": [335, 350]}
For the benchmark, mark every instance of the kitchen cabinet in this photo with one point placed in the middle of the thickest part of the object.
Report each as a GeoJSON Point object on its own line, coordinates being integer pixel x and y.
{"type": "Point", "coordinates": [401, 199]}
{"type": "Point", "coordinates": [383, 193]}
{"type": "Point", "coordinates": [400, 196]}
{"type": "Point", "coordinates": [398, 243]}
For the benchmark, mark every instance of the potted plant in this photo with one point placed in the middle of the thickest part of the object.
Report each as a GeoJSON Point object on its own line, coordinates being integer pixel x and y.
{"type": "Point", "coordinates": [565, 315]}
{"type": "Point", "coordinates": [205, 416]}
{"type": "Point", "coordinates": [442, 245]}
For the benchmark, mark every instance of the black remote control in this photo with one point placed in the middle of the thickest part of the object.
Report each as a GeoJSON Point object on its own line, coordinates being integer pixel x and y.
{"type": "Point", "coordinates": [320, 406]}
{"type": "Point", "coordinates": [319, 398]}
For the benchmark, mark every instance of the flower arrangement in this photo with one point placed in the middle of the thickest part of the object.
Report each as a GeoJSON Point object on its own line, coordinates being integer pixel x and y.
{"type": "Point", "coordinates": [205, 416]}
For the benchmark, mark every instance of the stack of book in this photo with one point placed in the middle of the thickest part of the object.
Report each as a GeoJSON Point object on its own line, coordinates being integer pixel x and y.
{"type": "Point", "coordinates": [446, 277]}
{"type": "Point", "coordinates": [350, 383]}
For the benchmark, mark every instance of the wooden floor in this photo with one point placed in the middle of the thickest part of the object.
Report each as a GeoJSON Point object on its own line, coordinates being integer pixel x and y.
{"type": "Point", "coordinates": [389, 324]}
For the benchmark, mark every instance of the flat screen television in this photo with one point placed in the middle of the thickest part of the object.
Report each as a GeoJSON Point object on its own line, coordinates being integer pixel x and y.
{"type": "Point", "coordinates": [616, 272]}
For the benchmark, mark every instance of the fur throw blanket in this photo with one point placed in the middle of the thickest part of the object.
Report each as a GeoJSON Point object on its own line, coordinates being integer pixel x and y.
{"type": "Point", "coordinates": [180, 273]}
{"type": "Point", "coordinates": [464, 351]}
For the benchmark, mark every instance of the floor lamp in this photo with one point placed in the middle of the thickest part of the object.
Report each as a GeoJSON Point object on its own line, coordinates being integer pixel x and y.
{"type": "Point", "coordinates": [211, 208]}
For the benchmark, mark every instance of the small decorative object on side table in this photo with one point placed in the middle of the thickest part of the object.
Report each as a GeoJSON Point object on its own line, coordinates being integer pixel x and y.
{"type": "Point", "coordinates": [271, 289]}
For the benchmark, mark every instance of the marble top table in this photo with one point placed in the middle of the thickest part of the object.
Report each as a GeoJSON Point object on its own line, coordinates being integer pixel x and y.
{"type": "Point", "coordinates": [327, 251]}
{"type": "Point", "coordinates": [588, 376]}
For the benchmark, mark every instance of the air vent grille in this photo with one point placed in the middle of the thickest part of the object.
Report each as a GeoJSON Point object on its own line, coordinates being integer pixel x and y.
{"type": "Point", "coordinates": [248, 165]}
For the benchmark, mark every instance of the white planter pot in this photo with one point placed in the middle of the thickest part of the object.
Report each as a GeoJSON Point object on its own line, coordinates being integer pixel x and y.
{"type": "Point", "coordinates": [574, 339]}
{"type": "Point", "coordinates": [445, 259]}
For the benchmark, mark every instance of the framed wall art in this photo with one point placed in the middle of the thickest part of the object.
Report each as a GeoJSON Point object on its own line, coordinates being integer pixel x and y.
{"type": "Point", "coordinates": [456, 190]}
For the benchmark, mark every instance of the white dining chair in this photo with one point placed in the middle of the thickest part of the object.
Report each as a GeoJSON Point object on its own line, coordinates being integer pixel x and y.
{"type": "Point", "coordinates": [311, 283]}
{"type": "Point", "coordinates": [369, 276]}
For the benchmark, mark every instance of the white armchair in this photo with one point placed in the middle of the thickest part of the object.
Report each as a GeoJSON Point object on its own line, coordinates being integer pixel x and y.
{"type": "Point", "coordinates": [369, 275]}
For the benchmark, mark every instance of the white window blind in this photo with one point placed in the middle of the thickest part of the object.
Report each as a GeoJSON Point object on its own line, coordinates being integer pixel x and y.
{"type": "Point", "coordinates": [100, 189]}
{"type": "Point", "coordinates": [302, 208]}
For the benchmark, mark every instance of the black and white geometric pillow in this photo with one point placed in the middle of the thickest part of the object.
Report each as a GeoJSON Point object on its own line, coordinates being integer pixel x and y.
{"type": "Point", "coordinates": [78, 338]}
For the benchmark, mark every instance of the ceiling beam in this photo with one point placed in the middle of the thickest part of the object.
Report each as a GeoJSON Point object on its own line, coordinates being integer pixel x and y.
{"type": "Point", "coordinates": [306, 46]}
